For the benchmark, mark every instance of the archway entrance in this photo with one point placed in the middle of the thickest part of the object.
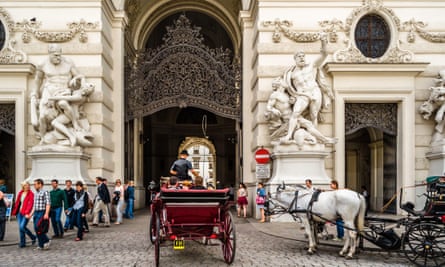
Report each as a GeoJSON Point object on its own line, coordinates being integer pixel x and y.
{"type": "Point", "coordinates": [371, 158]}
{"type": "Point", "coordinates": [185, 86]}
{"type": "Point", "coordinates": [7, 146]}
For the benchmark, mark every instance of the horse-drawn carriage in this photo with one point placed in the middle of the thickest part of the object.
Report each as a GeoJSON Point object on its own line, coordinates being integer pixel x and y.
{"type": "Point", "coordinates": [179, 215]}
{"type": "Point", "coordinates": [421, 239]}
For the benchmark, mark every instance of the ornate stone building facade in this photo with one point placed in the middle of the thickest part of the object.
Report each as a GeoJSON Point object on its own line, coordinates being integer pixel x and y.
{"type": "Point", "coordinates": [167, 71]}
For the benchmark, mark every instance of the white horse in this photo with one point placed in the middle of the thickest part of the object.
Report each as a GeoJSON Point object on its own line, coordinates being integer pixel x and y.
{"type": "Point", "coordinates": [347, 204]}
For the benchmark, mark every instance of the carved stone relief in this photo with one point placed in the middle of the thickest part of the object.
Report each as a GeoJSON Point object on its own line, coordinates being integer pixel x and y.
{"type": "Point", "coordinates": [9, 54]}
{"type": "Point", "coordinates": [7, 118]}
{"type": "Point", "coordinates": [30, 28]}
{"type": "Point", "coordinates": [360, 115]}
{"type": "Point", "coordinates": [351, 54]}
{"type": "Point", "coordinates": [416, 26]}
{"type": "Point", "coordinates": [435, 105]}
{"type": "Point", "coordinates": [184, 72]}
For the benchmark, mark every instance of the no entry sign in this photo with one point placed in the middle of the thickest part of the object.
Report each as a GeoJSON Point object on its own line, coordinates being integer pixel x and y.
{"type": "Point", "coordinates": [262, 156]}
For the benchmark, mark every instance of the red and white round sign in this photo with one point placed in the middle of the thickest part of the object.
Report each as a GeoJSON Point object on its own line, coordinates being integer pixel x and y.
{"type": "Point", "coordinates": [262, 156]}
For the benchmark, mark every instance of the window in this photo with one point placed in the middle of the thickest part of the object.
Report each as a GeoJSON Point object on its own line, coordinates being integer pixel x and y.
{"type": "Point", "coordinates": [2, 35]}
{"type": "Point", "coordinates": [372, 36]}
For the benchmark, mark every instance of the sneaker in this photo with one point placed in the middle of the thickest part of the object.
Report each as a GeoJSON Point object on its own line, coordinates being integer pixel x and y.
{"type": "Point", "coordinates": [38, 248]}
{"type": "Point", "coordinates": [46, 245]}
{"type": "Point", "coordinates": [33, 242]}
{"type": "Point", "coordinates": [337, 239]}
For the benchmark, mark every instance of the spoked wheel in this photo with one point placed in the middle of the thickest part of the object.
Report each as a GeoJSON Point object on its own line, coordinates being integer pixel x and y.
{"type": "Point", "coordinates": [229, 239]}
{"type": "Point", "coordinates": [424, 244]}
{"type": "Point", "coordinates": [152, 228]}
{"type": "Point", "coordinates": [157, 241]}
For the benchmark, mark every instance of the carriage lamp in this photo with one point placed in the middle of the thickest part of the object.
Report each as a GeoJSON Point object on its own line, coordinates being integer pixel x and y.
{"type": "Point", "coordinates": [172, 237]}
{"type": "Point", "coordinates": [443, 218]}
{"type": "Point", "coordinates": [213, 236]}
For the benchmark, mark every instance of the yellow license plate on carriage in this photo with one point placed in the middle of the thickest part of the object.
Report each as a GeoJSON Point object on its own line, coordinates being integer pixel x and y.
{"type": "Point", "coordinates": [178, 244]}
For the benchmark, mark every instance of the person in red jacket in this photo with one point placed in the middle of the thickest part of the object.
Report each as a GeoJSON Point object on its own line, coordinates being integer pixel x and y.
{"type": "Point", "coordinates": [22, 209]}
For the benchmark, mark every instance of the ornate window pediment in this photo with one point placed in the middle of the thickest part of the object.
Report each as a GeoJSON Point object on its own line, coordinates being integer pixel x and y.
{"type": "Point", "coordinates": [7, 29]}
{"type": "Point", "coordinates": [356, 52]}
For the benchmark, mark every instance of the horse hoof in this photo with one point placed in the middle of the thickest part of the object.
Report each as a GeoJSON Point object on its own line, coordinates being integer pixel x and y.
{"type": "Point", "coordinates": [309, 252]}
{"type": "Point", "coordinates": [349, 257]}
{"type": "Point", "coordinates": [341, 254]}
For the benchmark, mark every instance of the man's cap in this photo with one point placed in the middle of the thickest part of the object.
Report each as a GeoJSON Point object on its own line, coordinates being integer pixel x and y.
{"type": "Point", "coordinates": [184, 152]}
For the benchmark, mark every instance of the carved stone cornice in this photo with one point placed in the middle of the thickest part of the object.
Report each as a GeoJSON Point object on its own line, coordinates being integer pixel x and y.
{"type": "Point", "coordinates": [417, 26]}
{"type": "Point", "coordinates": [8, 54]}
{"type": "Point", "coordinates": [282, 26]}
{"type": "Point", "coordinates": [7, 118]}
{"type": "Point", "coordinates": [30, 28]}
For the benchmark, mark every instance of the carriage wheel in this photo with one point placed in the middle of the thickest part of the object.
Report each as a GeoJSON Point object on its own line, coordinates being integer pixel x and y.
{"type": "Point", "coordinates": [152, 228]}
{"type": "Point", "coordinates": [157, 241]}
{"type": "Point", "coordinates": [229, 240]}
{"type": "Point", "coordinates": [424, 244]}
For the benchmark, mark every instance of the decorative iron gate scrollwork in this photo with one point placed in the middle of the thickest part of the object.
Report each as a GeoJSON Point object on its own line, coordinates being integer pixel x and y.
{"type": "Point", "coordinates": [362, 115]}
{"type": "Point", "coordinates": [184, 72]}
{"type": "Point", "coordinates": [7, 118]}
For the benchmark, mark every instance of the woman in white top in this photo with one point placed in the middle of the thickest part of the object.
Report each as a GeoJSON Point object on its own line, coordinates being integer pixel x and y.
{"type": "Point", "coordinates": [242, 200]}
{"type": "Point", "coordinates": [118, 200]}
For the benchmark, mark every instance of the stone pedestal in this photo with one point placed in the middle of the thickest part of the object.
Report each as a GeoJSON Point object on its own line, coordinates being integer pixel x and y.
{"type": "Point", "coordinates": [294, 166]}
{"type": "Point", "coordinates": [61, 165]}
{"type": "Point", "coordinates": [436, 157]}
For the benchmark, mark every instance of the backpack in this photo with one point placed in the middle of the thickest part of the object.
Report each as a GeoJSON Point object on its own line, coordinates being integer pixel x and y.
{"type": "Point", "coordinates": [42, 226]}
{"type": "Point", "coordinates": [126, 195]}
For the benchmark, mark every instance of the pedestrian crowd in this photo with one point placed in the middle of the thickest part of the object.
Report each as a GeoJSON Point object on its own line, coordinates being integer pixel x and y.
{"type": "Point", "coordinates": [46, 208]}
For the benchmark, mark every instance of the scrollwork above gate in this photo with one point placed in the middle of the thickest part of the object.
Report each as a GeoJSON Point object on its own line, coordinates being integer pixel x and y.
{"type": "Point", "coordinates": [362, 115]}
{"type": "Point", "coordinates": [184, 72]}
{"type": "Point", "coordinates": [7, 118]}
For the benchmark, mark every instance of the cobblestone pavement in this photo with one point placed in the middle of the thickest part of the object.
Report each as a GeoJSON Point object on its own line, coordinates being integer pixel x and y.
{"type": "Point", "coordinates": [266, 244]}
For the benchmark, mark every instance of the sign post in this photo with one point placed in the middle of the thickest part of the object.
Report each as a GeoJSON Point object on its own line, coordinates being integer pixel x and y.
{"type": "Point", "coordinates": [262, 158]}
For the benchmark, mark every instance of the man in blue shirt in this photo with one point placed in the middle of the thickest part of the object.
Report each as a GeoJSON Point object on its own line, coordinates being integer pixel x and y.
{"type": "Point", "coordinates": [182, 166]}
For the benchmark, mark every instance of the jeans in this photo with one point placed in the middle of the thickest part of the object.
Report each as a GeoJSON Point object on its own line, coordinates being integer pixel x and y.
{"type": "Point", "coordinates": [23, 230]}
{"type": "Point", "coordinates": [129, 209]}
{"type": "Point", "coordinates": [78, 222]}
{"type": "Point", "coordinates": [68, 220]}
{"type": "Point", "coordinates": [340, 229]}
{"type": "Point", "coordinates": [56, 222]}
{"type": "Point", "coordinates": [42, 238]}
{"type": "Point", "coordinates": [2, 228]}
{"type": "Point", "coordinates": [119, 214]}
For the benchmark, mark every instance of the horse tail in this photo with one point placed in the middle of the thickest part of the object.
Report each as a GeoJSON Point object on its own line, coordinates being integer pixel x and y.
{"type": "Point", "coordinates": [360, 219]}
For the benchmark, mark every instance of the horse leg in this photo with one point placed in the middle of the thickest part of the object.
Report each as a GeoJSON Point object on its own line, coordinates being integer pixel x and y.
{"type": "Point", "coordinates": [353, 237]}
{"type": "Point", "coordinates": [310, 233]}
{"type": "Point", "coordinates": [346, 244]}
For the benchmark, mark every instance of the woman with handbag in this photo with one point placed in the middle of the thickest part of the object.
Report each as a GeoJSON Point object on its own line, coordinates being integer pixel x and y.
{"type": "Point", "coordinates": [260, 200]}
{"type": "Point", "coordinates": [118, 200]}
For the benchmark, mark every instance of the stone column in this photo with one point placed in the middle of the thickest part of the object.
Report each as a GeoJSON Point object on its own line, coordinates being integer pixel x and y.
{"type": "Point", "coordinates": [376, 174]}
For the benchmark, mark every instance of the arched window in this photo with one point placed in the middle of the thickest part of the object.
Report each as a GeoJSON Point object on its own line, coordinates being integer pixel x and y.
{"type": "Point", "coordinates": [2, 35]}
{"type": "Point", "coordinates": [372, 36]}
